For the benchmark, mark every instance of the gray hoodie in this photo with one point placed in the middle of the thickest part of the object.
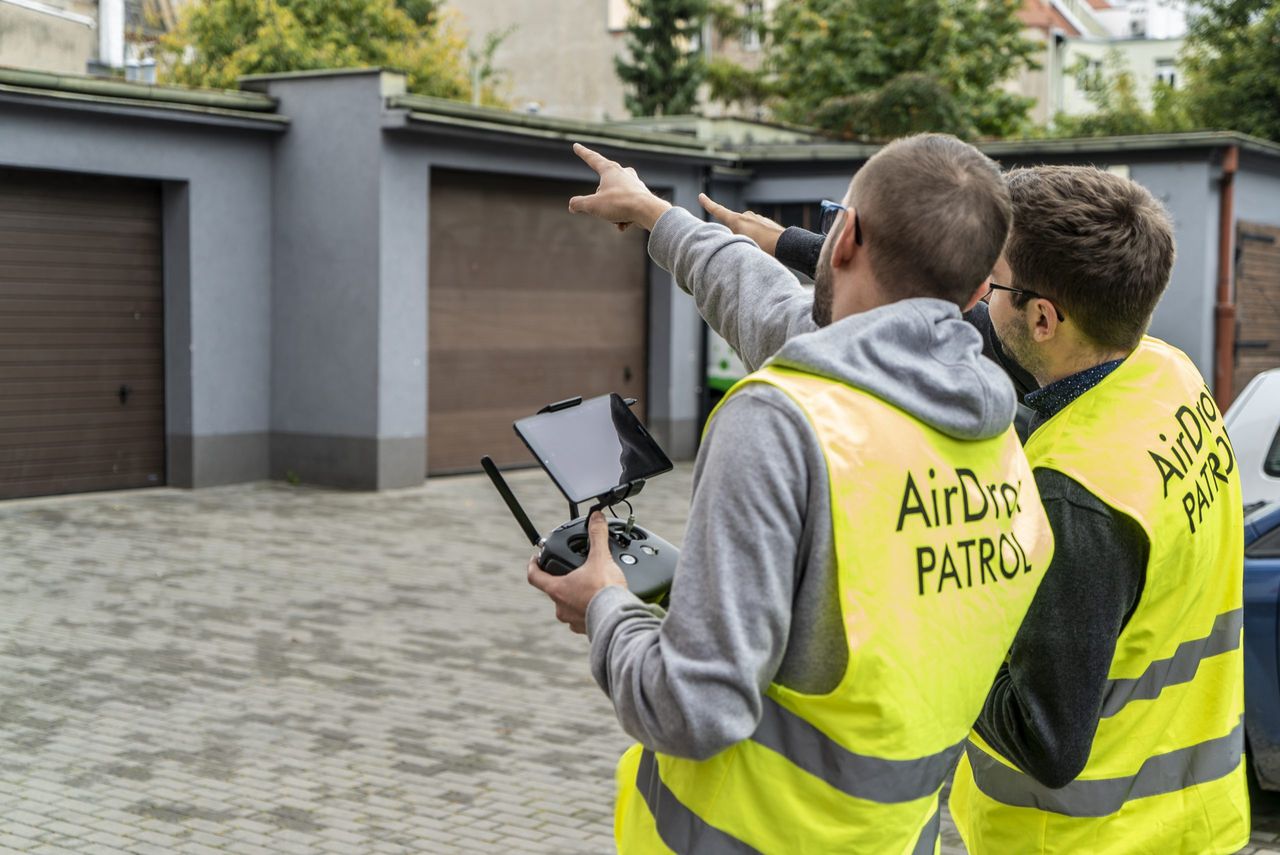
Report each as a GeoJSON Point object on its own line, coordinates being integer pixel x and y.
{"type": "Point", "coordinates": [754, 599]}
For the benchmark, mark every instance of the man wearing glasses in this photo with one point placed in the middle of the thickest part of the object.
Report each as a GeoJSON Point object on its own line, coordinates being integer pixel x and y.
{"type": "Point", "coordinates": [863, 539]}
{"type": "Point", "coordinates": [1115, 726]}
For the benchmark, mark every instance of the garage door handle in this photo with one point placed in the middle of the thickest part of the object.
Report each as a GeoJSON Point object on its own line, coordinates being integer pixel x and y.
{"type": "Point", "coordinates": [123, 394]}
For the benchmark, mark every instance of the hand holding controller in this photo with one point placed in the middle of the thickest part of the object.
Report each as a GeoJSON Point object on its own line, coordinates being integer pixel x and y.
{"type": "Point", "coordinates": [647, 561]}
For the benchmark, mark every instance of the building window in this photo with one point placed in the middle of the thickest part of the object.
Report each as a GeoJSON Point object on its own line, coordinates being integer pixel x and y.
{"type": "Point", "coordinates": [1089, 75]}
{"type": "Point", "coordinates": [1167, 72]}
{"type": "Point", "coordinates": [754, 13]}
{"type": "Point", "coordinates": [619, 14]}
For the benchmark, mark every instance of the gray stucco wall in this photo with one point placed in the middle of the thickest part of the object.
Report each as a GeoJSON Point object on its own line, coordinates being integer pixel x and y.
{"type": "Point", "coordinates": [1184, 316]}
{"type": "Point", "coordinates": [1258, 190]}
{"type": "Point", "coordinates": [326, 305]}
{"type": "Point", "coordinates": [780, 185]}
{"type": "Point", "coordinates": [402, 350]}
{"type": "Point", "coordinates": [217, 217]}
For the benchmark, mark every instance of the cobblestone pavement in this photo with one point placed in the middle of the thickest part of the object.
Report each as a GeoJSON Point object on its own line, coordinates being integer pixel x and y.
{"type": "Point", "coordinates": [267, 669]}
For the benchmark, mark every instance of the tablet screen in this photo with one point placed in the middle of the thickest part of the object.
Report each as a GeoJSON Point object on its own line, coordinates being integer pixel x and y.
{"type": "Point", "coordinates": [593, 448]}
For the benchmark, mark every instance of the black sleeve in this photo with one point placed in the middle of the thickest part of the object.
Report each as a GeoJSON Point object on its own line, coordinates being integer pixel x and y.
{"type": "Point", "coordinates": [799, 249]}
{"type": "Point", "coordinates": [1044, 707]}
{"type": "Point", "coordinates": [980, 317]}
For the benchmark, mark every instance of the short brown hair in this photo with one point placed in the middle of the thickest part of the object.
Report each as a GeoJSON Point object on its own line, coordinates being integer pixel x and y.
{"type": "Point", "coordinates": [935, 212]}
{"type": "Point", "coordinates": [1098, 245]}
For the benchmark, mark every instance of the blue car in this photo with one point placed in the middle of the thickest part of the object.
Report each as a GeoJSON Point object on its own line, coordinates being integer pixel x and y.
{"type": "Point", "coordinates": [1262, 642]}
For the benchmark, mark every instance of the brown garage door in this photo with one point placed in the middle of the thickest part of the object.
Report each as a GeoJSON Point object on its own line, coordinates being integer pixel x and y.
{"type": "Point", "coordinates": [527, 304]}
{"type": "Point", "coordinates": [1257, 301]}
{"type": "Point", "coordinates": [81, 334]}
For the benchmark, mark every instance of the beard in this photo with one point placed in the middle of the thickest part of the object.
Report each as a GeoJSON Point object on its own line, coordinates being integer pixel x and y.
{"type": "Point", "coordinates": [822, 287]}
{"type": "Point", "coordinates": [1016, 341]}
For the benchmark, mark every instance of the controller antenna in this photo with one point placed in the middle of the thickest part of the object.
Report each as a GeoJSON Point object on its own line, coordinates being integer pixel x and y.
{"type": "Point", "coordinates": [500, 483]}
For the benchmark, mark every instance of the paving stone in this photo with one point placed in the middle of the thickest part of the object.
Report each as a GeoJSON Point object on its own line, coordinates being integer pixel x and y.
{"type": "Point", "coordinates": [17, 829]}
{"type": "Point", "coordinates": [191, 848]}
{"type": "Point", "coordinates": [13, 843]}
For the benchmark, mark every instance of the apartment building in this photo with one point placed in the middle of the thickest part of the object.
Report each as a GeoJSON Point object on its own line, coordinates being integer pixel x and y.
{"type": "Point", "coordinates": [558, 55]}
{"type": "Point", "coordinates": [104, 37]}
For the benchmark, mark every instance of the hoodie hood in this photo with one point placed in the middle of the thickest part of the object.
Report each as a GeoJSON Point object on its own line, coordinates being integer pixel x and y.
{"type": "Point", "coordinates": [919, 355]}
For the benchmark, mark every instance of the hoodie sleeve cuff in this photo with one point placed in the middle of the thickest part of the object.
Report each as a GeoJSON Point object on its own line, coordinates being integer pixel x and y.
{"type": "Point", "coordinates": [799, 249]}
{"type": "Point", "coordinates": [607, 602]}
{"type": "Point", "coordinates": [665, 237]}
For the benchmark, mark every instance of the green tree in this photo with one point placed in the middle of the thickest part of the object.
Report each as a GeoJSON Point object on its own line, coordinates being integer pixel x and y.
{"type": "Point", "coordinates": [217, 41]}
{"type": "Point", "coordinates": [1118, 109]}
{"type": "Point", "coordinates": [876, 68]}
{"type": "Point", "coordinates": [1232, 64]}
{"type": "Point", "coordinates": [663, 67]}
{"type": "Point", "coordinates": [907, 104]}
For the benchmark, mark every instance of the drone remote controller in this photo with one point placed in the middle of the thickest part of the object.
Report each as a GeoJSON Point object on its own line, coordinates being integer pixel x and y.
{"type": "Point", "coordinates": [647, 560]}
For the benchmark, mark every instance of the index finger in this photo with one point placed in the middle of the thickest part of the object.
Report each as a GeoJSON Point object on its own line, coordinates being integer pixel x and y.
{"type": "Point", "coordinates": [714, 208]}
{"type": "Point", "coordinates": [594, 159]}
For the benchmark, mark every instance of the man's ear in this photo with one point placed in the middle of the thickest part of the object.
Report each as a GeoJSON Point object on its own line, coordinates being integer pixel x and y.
{"type": "Point", "coordinates": [978, 294]}
{"type": "Point", "coordinates": [1044, 317]}
{"type": "Point", "coordinates": [846, 244]}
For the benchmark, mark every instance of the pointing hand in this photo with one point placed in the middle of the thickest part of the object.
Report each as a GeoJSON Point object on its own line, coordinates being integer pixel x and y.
{"type": "Point", "coordinates": [622, 198]}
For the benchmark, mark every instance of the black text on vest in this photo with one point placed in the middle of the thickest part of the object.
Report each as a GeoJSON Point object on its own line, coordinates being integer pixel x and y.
{"type": "Point", "coordinates": [965, 524]}
{"type": "Point", "coordinates": [1196, 453]}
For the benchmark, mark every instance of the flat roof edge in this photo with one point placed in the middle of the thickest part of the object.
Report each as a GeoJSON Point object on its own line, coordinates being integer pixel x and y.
{"type": "Point", "coordinates": [586, 135]}
{"type": "Point", "coordinates": [98, 87]}
{"type": "Point", "coordinates": [425, 108]}
{"type": "Point", "coordinates": [425, 122]}
{"type": "Point", "coordinates": [156, 109]}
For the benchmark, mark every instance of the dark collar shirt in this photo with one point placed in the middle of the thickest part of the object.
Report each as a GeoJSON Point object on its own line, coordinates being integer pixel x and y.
{"type": "Point", "coordinates": [1049, 400]}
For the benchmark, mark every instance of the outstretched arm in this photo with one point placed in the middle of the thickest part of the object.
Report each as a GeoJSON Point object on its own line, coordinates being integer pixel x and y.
{"type": "Point", "coordinates": [797, 248]}
{"type": "Point", "coordinates": [748, 297]}
{"type": "Point", "coordinates": [754, 302]}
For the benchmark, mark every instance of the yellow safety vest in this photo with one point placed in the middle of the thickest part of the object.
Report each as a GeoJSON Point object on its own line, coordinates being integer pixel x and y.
{"type": "Point", "coordinates": [940, 545]}
{"type": "Point", "coordinates": [1165, 774]}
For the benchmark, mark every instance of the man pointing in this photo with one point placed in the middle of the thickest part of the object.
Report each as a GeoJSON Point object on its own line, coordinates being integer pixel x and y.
{"type": "Point", "coordinates": [864, 535]}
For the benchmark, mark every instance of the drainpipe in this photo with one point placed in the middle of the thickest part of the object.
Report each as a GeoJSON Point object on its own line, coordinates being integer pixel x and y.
{"type": "Point", "coordinates": [1224, 314]}
{"type": "Point", "coordinates": [111, 33]}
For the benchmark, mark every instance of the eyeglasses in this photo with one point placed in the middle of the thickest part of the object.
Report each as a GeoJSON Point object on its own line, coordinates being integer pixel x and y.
{"type": "Point", "coordinates": [831, 212]}
{"type": "Point", "coordinates": [994, 287]}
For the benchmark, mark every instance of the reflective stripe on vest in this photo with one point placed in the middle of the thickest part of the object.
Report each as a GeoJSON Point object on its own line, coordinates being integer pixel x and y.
{"type": "Point", "coordinates": [1181, 667]}
{"type": "Point", "coordinates": [680, 828]}
{"type": "Point", "coordinates": [684, 831]}
{"type": "Point", "coordinates": [872, 778]}
{"type": "Point", "coordinates": [928, 841]}
{"type": "Point", "coordinates": [1164, 773]}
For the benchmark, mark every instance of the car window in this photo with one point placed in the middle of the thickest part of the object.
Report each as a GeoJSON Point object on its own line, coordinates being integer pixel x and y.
{"type": "Point", "coordinates": [1271, 465]}
{"type": "Point", "coordinates": [1267, 546]}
